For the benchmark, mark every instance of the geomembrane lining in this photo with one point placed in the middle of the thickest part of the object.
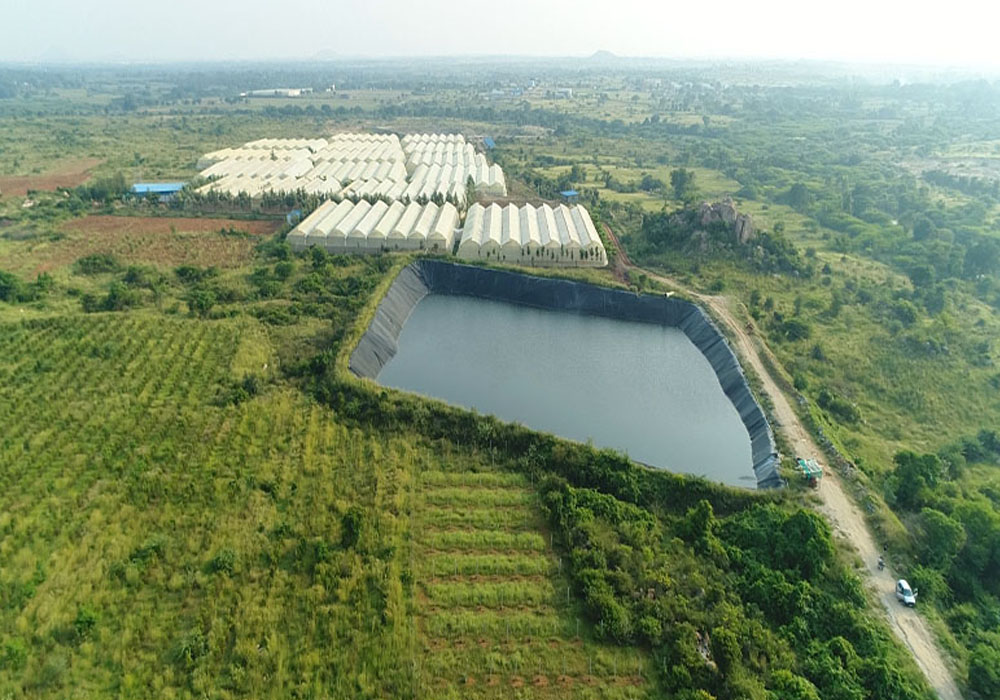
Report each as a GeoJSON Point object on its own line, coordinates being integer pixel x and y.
{"type": "Point", "coordinates": [379, 343]}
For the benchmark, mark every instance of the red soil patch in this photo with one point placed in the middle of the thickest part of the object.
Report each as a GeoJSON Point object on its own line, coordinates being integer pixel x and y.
{"type": "Point", "coordinates": [516, 682]}
{"type": "Point", "coordinates": [565, 681]}
{"type": "Point", "coordinates": [69, 174]}
{"type": "Point", "coordinates": [161, 241]}
{"type": "Point", "coordinates": [540, 681]}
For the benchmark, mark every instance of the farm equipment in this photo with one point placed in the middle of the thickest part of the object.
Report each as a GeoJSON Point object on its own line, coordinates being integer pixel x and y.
{"type": "Point", "coordinates": [811, 471]}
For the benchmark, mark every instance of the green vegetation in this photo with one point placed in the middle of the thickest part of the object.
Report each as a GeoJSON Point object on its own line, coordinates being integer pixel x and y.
{"type": "Point", "coordinates": [200, 500]}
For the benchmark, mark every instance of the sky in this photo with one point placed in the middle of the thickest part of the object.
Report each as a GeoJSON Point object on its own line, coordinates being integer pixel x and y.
{"type": "Point", "coordinates": [954, 33]}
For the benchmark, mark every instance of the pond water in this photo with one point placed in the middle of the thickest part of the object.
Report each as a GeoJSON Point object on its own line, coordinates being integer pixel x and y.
{"type": "Point", "coordinates": [639, 388]}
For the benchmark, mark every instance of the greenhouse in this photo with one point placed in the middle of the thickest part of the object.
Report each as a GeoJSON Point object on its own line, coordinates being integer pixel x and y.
{"type": "Point", "coordinates": [528, 235]}
{"type": "Point", "coordinates": [355, 166]}
{"type": "Point", "coordinates": [363, 227]}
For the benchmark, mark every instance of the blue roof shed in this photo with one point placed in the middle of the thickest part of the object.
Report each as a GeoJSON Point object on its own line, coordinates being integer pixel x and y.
{"type": "Point", "coordinates": [160, 188]}
{"type": "Point", "coordinates": [489, 143]}
{"type": "Point", "coordinates": [570, 195]}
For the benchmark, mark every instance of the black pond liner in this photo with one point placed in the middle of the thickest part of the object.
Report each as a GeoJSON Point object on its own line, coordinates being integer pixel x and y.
{"type": "Point", "coordinates": [379, 343]}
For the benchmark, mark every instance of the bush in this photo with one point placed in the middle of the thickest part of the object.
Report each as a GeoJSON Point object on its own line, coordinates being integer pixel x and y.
{"type": "Point", "coordinates": [200, 301]}
{"type": "Point", "coordinates": [84, 623]}
{"type": "Point", "coordinates": [12, 289]}
{"type": "Point", "coordinates": [14, 654]}
{"type": "Point", "coordinates": [189, 648]}
{"type": "Point", "coordinates": [841, 409]}
{"type": "Point", "coordinates": [984, 670]}
{"type": "Point", "coordinates": [96, 264]}
{"type": "Point", "coordinates": [119, 298]}
{"type": "Point", "coordinates": [189, 274]}
{"type": "Point", "coordinates": [351, 526]}
{"type": "Point", "coordinates": [223, 562]}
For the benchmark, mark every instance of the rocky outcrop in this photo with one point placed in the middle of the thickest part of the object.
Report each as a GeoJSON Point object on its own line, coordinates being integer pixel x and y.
{"type": "Point", "coordinates": [743, 228]}
{"type": "Point", "coordinates": [725, 212]}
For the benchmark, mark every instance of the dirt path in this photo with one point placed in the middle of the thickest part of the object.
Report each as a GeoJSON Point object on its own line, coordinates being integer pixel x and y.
{"type": "Point", "coordinates": [843, 514]}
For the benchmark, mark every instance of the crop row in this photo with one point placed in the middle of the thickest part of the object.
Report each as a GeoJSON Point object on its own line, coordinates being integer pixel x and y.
{"type": "Point", "coordinates": [483, 540]}
{"type": "Point", "coordinates": [454, 496]}
{"type": "Point", "coordinates": [506, 686]}
{"type": "Point", "coordinates": [487, 565]}
{"type": "Point", "coordinates": [468, 478]}
{"type": "Point", "coordinates": [512, 518]}
{"type": "Point", "coordinates": [490, 594]}
{"type": "Point", "coordinates": [524, 657]}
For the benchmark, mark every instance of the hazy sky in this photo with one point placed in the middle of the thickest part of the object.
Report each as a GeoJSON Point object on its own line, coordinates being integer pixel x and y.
{"type": "Point", "coordinates": [956, 32]}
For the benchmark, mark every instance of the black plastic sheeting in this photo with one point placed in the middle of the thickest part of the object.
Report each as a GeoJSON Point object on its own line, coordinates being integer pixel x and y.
{"type": "Point", "coordinates": [379, 343]}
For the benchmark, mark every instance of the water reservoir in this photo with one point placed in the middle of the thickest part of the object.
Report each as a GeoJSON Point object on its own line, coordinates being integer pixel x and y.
{"type": "Point", "coordinates": [641, 388]}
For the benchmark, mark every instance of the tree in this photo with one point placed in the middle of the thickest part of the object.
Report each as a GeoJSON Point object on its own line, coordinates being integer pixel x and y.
{"type": "Point", "coordinates": [943, 538]}
{"type": "Point", "coordinates": [984, 669]}
{"type": "Point", "coordinates": [726, 649]}
{"type": "Point", "coordinates": [785, 685]}
{"type": "Point", "coordinates": [651, 184]}
{"type": "Point", "coordinates": [798, 196]}
{"type": "Point", "coordinates": [923, 228]}
{"type": "Point", "coordinates": [804, 544]}
{"type": "Point", "coordinates": [682, 182]}
{"type": "Point", "coordinates": [915, 475]}
{"type": "Point", "coordinates": [200, 301]}
{"type": "Point", "coordinates": [983, 258]}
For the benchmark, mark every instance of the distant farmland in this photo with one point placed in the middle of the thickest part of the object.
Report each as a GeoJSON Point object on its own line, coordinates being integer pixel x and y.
{"type": "Point", "coordinates": [225, 243]}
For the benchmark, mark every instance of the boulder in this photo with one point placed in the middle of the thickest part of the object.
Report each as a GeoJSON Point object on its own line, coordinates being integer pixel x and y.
{"type": "Point", "coordinates": [725, 212]}
{"type": "Point", "coordinates": [743, 228]}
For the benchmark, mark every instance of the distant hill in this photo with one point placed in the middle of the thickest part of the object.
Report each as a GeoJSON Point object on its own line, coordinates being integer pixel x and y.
{"type": "Point", "coordinates": [603, 56]}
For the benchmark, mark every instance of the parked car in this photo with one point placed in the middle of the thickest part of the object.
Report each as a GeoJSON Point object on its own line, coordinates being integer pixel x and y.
{"type": "Point", "coordinates": [904, 594]}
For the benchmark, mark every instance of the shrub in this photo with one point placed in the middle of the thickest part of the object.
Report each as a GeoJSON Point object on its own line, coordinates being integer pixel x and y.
{"type": "Point", "coordinates": [223, 562]}
{"type": "Point", "coordinates": [191, 646]}
{"type": "Point", "coordinates": [351, 526]}
{"type": "Point", "coordinates": [96, 264]}
{"type": "Point", "coordinates": [14, 654]}
{"type": "Point", "coordinates": [84, 623]}
{"type": "Point", "coordinates": [841, 409]}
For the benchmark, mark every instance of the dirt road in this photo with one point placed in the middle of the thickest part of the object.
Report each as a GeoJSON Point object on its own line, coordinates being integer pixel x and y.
{"type": "Point", "coordinates": [844, 516]}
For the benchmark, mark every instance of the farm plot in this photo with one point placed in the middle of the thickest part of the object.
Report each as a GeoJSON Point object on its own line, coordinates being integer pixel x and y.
{"type": "Point", "coordinates": [68, 174]}
{"type": "Point", "coordinates": [495, 616]}
{"type": "Point", "coordinates": [224, 243]}
{"type": "Point", "coordinates": [155, 541]}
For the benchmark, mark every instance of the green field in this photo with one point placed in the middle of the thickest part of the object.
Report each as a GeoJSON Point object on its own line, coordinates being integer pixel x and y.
{"type": "Point", "coordinates": [201, 501]}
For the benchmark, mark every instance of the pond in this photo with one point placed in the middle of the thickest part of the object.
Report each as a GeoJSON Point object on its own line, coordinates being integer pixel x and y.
{"type": "Point", "coordinates": [640, 388]}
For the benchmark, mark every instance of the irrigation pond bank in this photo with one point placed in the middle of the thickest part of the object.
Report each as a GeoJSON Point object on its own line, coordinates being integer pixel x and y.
{"type": "Point", "coordinates": [379, 344]}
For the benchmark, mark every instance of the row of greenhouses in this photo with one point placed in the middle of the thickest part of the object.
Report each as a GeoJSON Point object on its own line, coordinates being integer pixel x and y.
{"type": "Point", "coordinates": [543, 235]}
{"type": "Point", "coordinates": [371, 228]}
{"type": "Point", "coordinates": [355, 165]}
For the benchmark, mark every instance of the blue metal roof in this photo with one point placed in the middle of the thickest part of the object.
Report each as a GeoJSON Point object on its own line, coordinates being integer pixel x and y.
{"type": "Point", "coordinates": [569, 193]}
{"type": "Point", "coordinates": [488, 142]}
{"type": "Point", "coordinates": [157, 187]}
